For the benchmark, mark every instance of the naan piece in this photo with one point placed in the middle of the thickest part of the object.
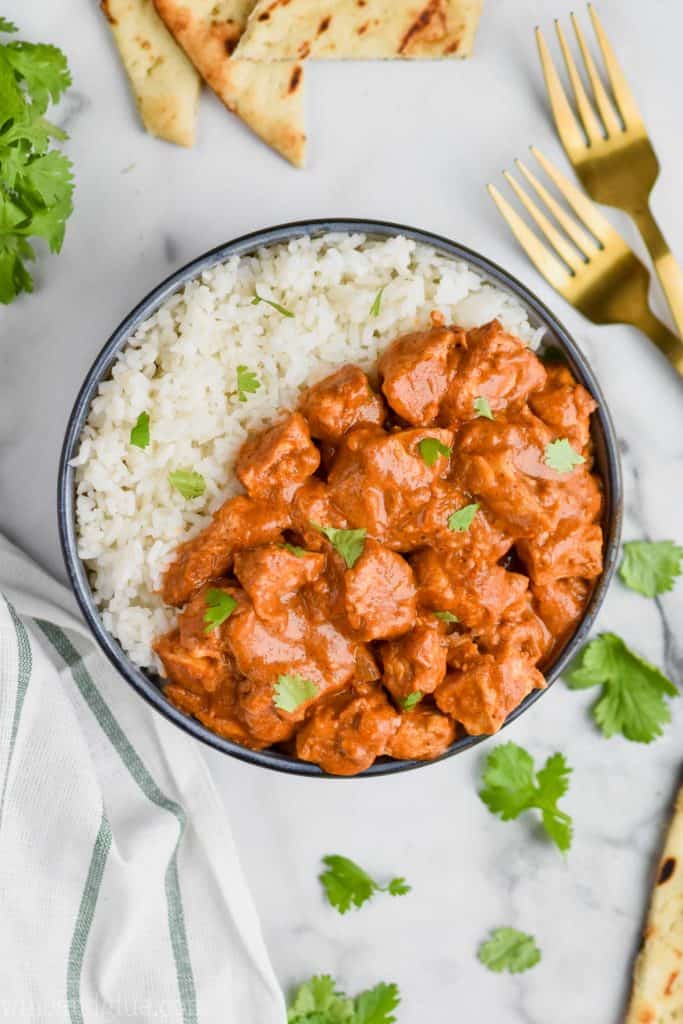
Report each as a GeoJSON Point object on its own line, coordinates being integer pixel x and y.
{"type": "Point", "coordinates": [267, 97]}
{"type": "Point", "coordinates": [165, 84]}
{"type": "Point", "coordinates": [657, 996]}
{"type": "Point", "coordinates": [359, 29]}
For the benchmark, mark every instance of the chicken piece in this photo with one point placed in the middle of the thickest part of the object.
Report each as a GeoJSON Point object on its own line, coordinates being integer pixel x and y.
{"type": "Point", "coordinates": [495, 365]}
{"type": "Point", "coordinates": [188, 701]}
{"type": "Point", "coordinates": [573, 549]}
{"type": "Point", "coordinates": [380, 594]}
{"type": "Point", "coordinates": [485, 541]}
{"type": "Point", "coordinates": [482, 695]}
{"type": "Point", "coordinates": [345, 733]}
{"type": "Point", "coordinates": [224, 716]}
{"type": "Point", "coordinates": [239, 523]}
{"type": "Point", "coordinates": [198, 673]}
{"type": "Point", "coordinates": [271, 575]}
{"type": "Point", "coordinates": [477, 594]}
{"type": "Point", "coordinates": [416, 661]}
{"type": "Point", "coordinates": [275, 462]}
{"type": "Point", "coordinates": [195, 634]}
{"type": "Point", "coordinates": [263, 720]}
{"type": "Point", "coordinates": [565, 406]}
{"type": "Point", "coordinates": [313, 504]}
{"type": "Point", "coordinates": [416, 370]}
{"type": "Point", "coordinates": [339, 402]}
{"type": "Point", "coordinates": [383, 483]}
{"type": "Point", "coordinates": [560, 604]}
{"type": "Point", "coordinates": [520, 632]}
{"type": "Point", "coordinates": [423, 734]}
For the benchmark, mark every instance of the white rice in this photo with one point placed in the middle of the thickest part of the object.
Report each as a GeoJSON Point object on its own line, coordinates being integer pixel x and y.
{"type": "Point", "coordinates": [181, 368]}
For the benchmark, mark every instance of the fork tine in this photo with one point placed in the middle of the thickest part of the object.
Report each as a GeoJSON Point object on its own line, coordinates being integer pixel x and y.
{"type": "Point", "coordinates": [567, 126]}
{"type": "Point", "coordinates": [541, 257]}
{"type": "Point", "coordinates": [586, 112]}
{"type": "Point", "coordinates": [582, 207]}
{"type": "Point", "coordinates": [583, 242]}
{"type": "Point", "coordinates": [627, 105]}
{"type": "Point", "coordinates": [607, 112]}
{"type": "Point", "coordinates": [561, 247]}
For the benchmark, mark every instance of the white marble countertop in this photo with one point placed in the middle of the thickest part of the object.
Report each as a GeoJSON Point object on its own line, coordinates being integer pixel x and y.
{"type": "Point", "coordinates": [412, 143]}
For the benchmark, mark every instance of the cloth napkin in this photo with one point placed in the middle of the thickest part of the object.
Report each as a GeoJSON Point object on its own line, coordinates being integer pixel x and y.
{"type": "Point", "coordinates": [121, 895]}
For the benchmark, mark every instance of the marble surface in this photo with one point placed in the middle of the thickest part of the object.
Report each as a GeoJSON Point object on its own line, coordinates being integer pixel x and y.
{"type": "Point", "coordinates": [412, 143]}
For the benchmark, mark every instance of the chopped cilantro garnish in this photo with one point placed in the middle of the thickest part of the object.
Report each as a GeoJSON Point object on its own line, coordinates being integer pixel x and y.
{"type": "Point", "coordinates": [139, 435]}
{"type": "Point", "coordinates": [462, 519]}
{"type": "Point", "coordinates": [219, 607]}
{"type": "Point", "coordinates": [561, 457]}
{"type": "Point", "coordinates": [447, 616]}
{"type": "Point", "coordinates": [276, 305]}
{"type": "Point", "coordinates": [346, 883]}
{"type": "Point", "coordinates": [190, 485]}
{"type": "Point", "coordinates": [482, 407]}
{"type": "Point", "coordinates": [317, 1001]}
{"type": "Point", "coordinates": [651, 566]}
{"type": "Point", "coordinates": [294, 549]}
{"type": "Point", "coordinates": [431, 448]}
{"type": "Point", "coordinates": [511, 786]}
{"type": "Point", "coordinates": [247, 383]}
{"type": "Point", "coordinates": [376, 307]}
{"type": "Point", "coordinates": [349, 543]}
{"type": "Point", "coordinates": [291, 691]}
{"type": "Point", "coordinates": [509, 950]}
{"type": "Point", "coordinates": [409, 702]}
{"type": "Point", "coordinates": [633, 691]}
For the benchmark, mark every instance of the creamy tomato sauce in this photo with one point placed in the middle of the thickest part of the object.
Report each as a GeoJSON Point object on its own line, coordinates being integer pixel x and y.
{"type": "Point", "coordinates": [430, 624]}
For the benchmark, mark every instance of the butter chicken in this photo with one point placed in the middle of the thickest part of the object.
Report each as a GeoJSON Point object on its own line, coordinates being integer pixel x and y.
{"type": "Point", "coordinates": [404, 562]}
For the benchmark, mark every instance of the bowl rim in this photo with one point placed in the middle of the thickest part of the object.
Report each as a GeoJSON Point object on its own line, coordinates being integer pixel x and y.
{"type": "Point", "coordinates": [244, 245]}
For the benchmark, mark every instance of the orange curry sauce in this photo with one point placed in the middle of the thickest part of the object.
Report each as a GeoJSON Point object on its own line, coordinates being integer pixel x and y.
{"type": "Point", "coordinates": [517, 579]}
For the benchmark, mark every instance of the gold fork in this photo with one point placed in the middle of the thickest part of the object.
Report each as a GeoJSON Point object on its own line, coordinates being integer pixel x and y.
{"type": "Point", "coordinates": [596, 271]}
{"type": "Point", "coordinates": [613, 156]}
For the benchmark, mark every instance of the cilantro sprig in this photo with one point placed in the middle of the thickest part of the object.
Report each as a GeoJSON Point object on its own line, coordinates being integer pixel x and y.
{"type": "Point", "coordinates": [257, 299]}
{"type": "Point", "coordinates": [512, 785]}
{"type": "Point", "coordinates": [461, 520]}
{"type": "Point", "coordinates": [560, 456]}
{"type": "Point", "coordinates": [187, 483]}
{"type": "Point", "coordinates": [509, 950]}
{"type": "Point", "coordinates": [292, 690]}
{"type": "Point", "coordinates": [139, 434]}
{"type": "Point", "coordinates": [376, 307]}
{"type": "Point", "coordinates": [431, 448]}
{"type": "Point", "coordinates": [247, 383]}
{"type": "Point", "coordinates": [219, 606]}
{"type": "Point", "coordinates": [482, 407]}
{"type": "Point", "coordinates": [651, 566]}
{"type": "Point", "coordinates": [36, 182]}
{"type": "Point", "coordinates": [349, 543]}
{"type": "Point", "coordinates": [346, 884]}
{"type": "Point", "coordinates": [318, 1001]}
{"type": "Point", "coordinates": [414, 698]}
{"type": "Point", "coordinates": [447, 616]}
{"type": "Point", "coordinates": [632, 699]}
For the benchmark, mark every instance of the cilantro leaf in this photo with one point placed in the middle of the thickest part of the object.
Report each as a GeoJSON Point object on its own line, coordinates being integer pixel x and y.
{"type": "Point", "coordinates": [139, 434]}
{"type": "Point", "coordinates": [511, 786]}
{"type": "Point", "coordinates": [411, 700]}
{"type": "Point", "coordinates": [462, 519]}
{"type": "Point", "coordinates": [349, 543]}
{"type": "Point", "coordinates": [376, 1005]}
{"type": "Point", "coordinates": [447, 616]}
{"type": "Point", "coordinates": [219, 607]}
{"type": "Point", "coordinates": [36, 183]}
{"type": "Point", "coordinates": [431, 448]}
{"type": "Point", "coordinates": [561, 457]}
{"type": "Point", "coordinates": [190, 485]}
{"type": "Point", "coordinates": [247, 383]}
{"type": "Point", "coordinates": [346, 884]}
{"type": "Point", "coordinates": [291, 691]}
{"type": "Point", "coordinates": [294, 549]}
{"type": "Point", "coordinates": [633, 691]}
{"type": "Point", "coordinates": [509, 950]}
{"type": "Point", "coordinates": [482, 407]}
{"type": "Point", "coordinates": [317, 1001]}
{"type": "Point", "coordinates": [651, 566]}
{"type": "Point", "coordinates": [376, 307]}
{"type": "Point", "coordinates": [276, 305]}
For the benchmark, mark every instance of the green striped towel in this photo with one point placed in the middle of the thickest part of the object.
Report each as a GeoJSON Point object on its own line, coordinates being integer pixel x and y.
{"type": "Point", "coordinates": [121, 896]}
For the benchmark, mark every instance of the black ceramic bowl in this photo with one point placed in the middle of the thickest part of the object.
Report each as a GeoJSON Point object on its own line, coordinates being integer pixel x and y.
{"type": "Point", "coordinates": [556, 338]}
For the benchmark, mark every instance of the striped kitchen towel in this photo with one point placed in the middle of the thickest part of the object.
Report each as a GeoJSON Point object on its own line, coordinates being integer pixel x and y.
{"type": "Point", "coordinates": [121, 896]}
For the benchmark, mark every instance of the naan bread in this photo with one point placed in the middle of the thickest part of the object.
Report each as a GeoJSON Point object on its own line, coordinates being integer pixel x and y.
{"type": "Point", "coordinates": [657, 996]}
{"type": "Point", "coordinates": [269, 98]}
{"type": "Point", "coordinates": [165, 85]}
{"type": "Point", "coordinates": [359, 29]}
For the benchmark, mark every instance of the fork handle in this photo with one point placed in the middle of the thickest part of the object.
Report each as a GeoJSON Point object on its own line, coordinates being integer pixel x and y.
{"type": "Point", "coordinates": [668, 269]}
{"type": "Point", "coordinates": [665, 340]}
